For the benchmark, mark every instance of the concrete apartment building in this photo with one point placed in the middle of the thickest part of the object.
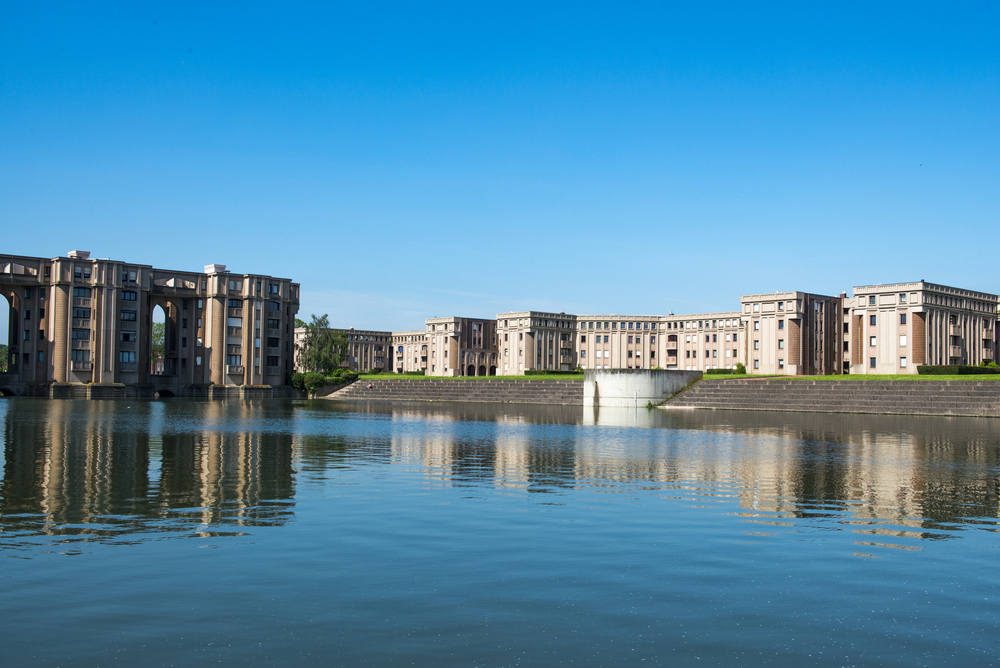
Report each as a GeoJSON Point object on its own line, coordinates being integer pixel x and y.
{"type": "Point", "coordinates": [885, 329]}
{"type": "Point", "coordinates": [893, 328]}
{"type": "Point", "coordinates": [77, 321]}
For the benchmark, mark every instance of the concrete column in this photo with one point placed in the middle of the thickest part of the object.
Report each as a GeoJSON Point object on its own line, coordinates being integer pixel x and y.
{"type": "Point", "coordinates": [217, 349]}
{"type": "Point", "coordinates": [60, 335]}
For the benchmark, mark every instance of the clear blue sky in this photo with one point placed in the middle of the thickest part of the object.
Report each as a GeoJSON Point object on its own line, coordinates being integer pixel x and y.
{"type": "Point", "coordinates": [414, 160]}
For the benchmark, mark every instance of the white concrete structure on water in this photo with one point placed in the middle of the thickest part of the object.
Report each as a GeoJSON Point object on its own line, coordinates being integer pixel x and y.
{"type": "Point", "coordinates": [625, 388]}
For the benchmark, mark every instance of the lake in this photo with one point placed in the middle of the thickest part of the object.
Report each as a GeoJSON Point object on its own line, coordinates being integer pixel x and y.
{"type": "Point", "coordinates": [301, 533]}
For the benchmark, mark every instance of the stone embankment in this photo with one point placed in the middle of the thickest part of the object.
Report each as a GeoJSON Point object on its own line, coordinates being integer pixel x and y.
{"type": "Point", "coordinates": [905, 397]}
{"type": "Point", "coordinates": [485, 390]}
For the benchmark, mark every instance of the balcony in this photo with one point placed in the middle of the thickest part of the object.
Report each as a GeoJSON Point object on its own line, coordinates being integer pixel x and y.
{"type": "Point", "coordinates": [988, 335]}
{"type": "Point", "coordinates": [126, 367]}
{"type": "Point", "coordinates": [235, 313]}
{"type": "Point", "coordinates": [988, 354]}
{"type": "Point", "coordinates": [234, 331]}
{"type": "Point", "coordinates": [955, 330]}
{"type": "Point", "coordinates": [273, 351]}
{"type": "Point", "coordinates": [273, 371]}
{"type": "Point", "coordinates": [954, 351]}
{"type": "Point", "coordinates": [234, 368]}
{"type": "Point", "coordinates": [81, 323]}
{"type": "Point", "coordinates": [81, 301]}
{"type": "Point", "coordinates": [79, 344]}
{"type": "Point", "coordinates": [126, 345]}
{"type": "Point", "coordinates": [81, 366]}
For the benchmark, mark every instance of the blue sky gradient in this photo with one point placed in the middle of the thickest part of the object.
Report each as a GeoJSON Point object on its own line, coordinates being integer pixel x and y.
{"type": "Point", "coordinates": [405, 161]}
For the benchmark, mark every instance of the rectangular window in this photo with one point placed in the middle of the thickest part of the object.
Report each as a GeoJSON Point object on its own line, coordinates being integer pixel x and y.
{"type": "Point", "coordinates": [184, 342]}
{"type": "Point", "coordinates": [902, 318]}
{"type": "Point", "coordinates": [902, 362]}
{"type": "Point", "coordinates": [847, 328]}
{"type": "Point", "coordinates": [630, 339]}
{"type": "Point", "coordinates": [79, 355]}
{"type": "Point", "coordinates": [735, 337]}
{"type": "Point", "coordinates": [902, 300]}
{"type": "Point", "coordinates": [27, 335]}
{"type": "Point", "coordinates": [234, 360]}
{"type": "Point", "coordinates": [82, 313]}
{"type": "Point", "coordinates": [129, 295]}
{"type": "Point", "coordinates": [781, 364]}
{"type": "Point", "coordinates": [273, 306]}
{"type": "Point", "coordinates": [871, 362]}
{"type": "Point", "coordinates": [126, 356]}
{"type": "Point", "coordinates": [83, 293]}
{"type": "Point", "coordinates": [781, 344]}
{"type": "Point", "coordinates": [41, 355]}
{"type": "Point", "coordinates": [128, 316]}
{"type": "Point", "coordinates": [81, 335]}
{"type": "Point", "coordinates": [184, 323]}
{"type": "Point", "coordinates": [902, 340]}
{"type": "Point", "coordinates": [756, 345]}
{"type": "Point", "coordinates": [583, 354]}
{"type": "Point", "coordinates": [871, 320]}
{"type": "Point", "coordinates": [197, 361]}
{"type": "Point", "coordinates": [781, 324]}
{"type": "Point", "coordinates": [871, 300]}
{"type": "Point", "coordinates": [781, 306]}
{"type": "Point", "coordinates": [128, 337]}
{"type": "Point", "coordinates": [756, 325]}
{"type": "Point", "coordinates": [846, 347]}
{"type": "Point", "coordinates": [715, 338]}
{"type": "Point", "coordinates": [273, 323]}
{"type": "Point", "coordinates": [871, 340]}
{"type": "Point", "coordinates": [272, 360]}
{"type": "Point", "coordinates": [756, 364]}
{"type": "Point", "coordinates": [27, 314]}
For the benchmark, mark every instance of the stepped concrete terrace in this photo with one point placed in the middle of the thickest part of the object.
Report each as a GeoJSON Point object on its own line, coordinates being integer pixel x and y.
{"type": "Point", "coordinates": [485, 390]}
{"type": "Point", "coordinates": [903, 397]}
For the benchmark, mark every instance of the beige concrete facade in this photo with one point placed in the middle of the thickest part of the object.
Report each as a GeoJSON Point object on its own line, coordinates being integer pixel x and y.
{"type": "Point", "coordinates": [792, 333]}
{"type": "Point", "coordinates": [410, 351]}
{"type": "Point", "coordinates": [461, 346]}
{"type": "Point", "coordinates": [367, 350]}
{"type": "Point", "coordinates": [893, 328]}
{"type": "Point", "coordinates": [79, 320]}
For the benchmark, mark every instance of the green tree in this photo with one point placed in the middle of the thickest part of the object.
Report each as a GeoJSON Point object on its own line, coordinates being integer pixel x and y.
{"type": "Point", "coordinates": [322, 349]}
{"type": "Point", "coordinates": [299, 324]}
{"type": "Point", "coordinates": [4, 354]}
{"type": "Point", "coordinates": [159, 339]}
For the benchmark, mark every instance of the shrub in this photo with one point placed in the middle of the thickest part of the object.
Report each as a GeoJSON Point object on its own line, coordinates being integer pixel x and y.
{"type": "Point", "coordinates": [955, 369]}
{"type": "Point", "coordinates": [741, 369]}
{"type": "Point", "coordinates": [719, 372]}
{"type": "Point", "coordinates": [298, 381]}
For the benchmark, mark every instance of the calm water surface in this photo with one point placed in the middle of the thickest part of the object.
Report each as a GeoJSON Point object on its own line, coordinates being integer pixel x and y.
{"type": "Point", "coordinates": [293, 533]}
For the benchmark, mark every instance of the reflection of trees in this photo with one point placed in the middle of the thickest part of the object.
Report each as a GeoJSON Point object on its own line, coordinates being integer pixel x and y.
{"type": "Point", "coordinates": [108, 470]}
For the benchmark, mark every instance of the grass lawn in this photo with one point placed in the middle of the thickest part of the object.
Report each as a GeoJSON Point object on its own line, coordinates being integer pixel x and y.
{"type": "Point", "coordinates": [383, 376]}
{"type": "Point", "coordinates": [860, 376]}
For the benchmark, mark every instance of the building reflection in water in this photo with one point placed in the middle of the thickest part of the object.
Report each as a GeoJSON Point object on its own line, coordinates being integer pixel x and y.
{"type": "Point", "coordinates": [896, 476]}
{"type": "Point", "coordinates": [119, 470]}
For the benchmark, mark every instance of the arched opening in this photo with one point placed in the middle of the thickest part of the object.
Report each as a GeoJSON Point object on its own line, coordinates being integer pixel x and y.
{"type": "Point", "coordinates": [493, 371]}
{"type": "Point", "coordinates": [158, 341]}
{"type": "Point", "coordinates": [9, 310]}
{"type": "Point", "coordinates": [471, 371]}
{"type": "Point", "coordinates": [7, 392]}
{"type": "Point", "coordinates": [482, 370]}
{"type": "Point", "coordinates": [162, 394]}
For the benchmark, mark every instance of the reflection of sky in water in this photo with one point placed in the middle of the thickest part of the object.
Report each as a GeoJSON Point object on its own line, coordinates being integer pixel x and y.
{"type": "Point", "coordinates": [435, 534]}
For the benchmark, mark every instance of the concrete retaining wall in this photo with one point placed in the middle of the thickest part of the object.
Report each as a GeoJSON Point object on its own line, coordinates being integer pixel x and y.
{"type": "Point", "coordinates": [625, 388]}
{"type": "Point", "coordinates": [492, 390]}
{"type": "Point", "coordinates": [903, 397]}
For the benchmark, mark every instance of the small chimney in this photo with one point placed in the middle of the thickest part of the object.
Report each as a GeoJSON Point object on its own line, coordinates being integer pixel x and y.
{"type": "Point", "coordinates": [79, 254]}
{"type": "Point", "coordinates": [215, 268]}
{"type": "Point", "coordinates": [843, 295]}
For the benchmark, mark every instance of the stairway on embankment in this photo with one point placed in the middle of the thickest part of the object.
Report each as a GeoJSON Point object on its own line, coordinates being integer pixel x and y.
{"type": "Point", "coordinates": [485, 390]}
{"type": "Point", "coordinates": [907, 397]}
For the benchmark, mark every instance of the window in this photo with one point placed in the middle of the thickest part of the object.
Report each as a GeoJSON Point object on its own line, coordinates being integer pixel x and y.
{"type": "Point", "coordinates": [902, 318]}
{"type": "Point", "coordinates": [128, 295]}
{"type": "Point", "coordinates": [871, 340]}
{"type": "Point", "coordinates": [275, 288]}
{"type": "Point", "coordinates": [781, 344]}
{"type": "Point", "coordinates": [781, 324]}
{"type": "Point", "coordinates": [235, 303]}
{"type": "Point", "coordinates": [197, 361]}
{"type": "Point", "coordinates": [234, 360]}
{"type": "Point", "coordinates": [274, 342]}
{"type": "Point", "coordinates": [128, 316]}
{"type": "Point", "coordinates": [781, 363]}
{"type": "Point", "coordinates": [27, 314]}
{"type": "Point", "coordinates": [184, 342]}
{"type": "Point", "coordinates": [756, 325]}
{"type": "Point", "coordinates": [272, 360]}
{"type": "Point", "coordinates": [902, 340]}
{"type": "Point", "coordinates": [871, 300]}
{"type": "Point", "coordinates": [902, 300]}
{"type": "Point", "coordinates": [127, 337]}
{"type": "Point", "coordinates": [847, 328]}
{"type": "Point", "coordinates": [79, 355]}
{"type": "Point", "coordinates": [184, 323]}
{"type": "Point", "coordinates": [781, 306]}
{"type": "Point", "coordinates": [27, 335]}
{"type": "Point", "coordinates": [41, 355]}
{"type": "Point", "coordinates": [756, 345]}
{"type": "Point", "coordinates": [902, 362]}
{"type": "Point", "coordinates": [82, 313]}
{"type": "Point", "coordinates": [707, 338]}
{"type": "Point", "coordinates": [273, 306]}
{"type": "Point", "coordinates": [715, 338]}
{"type": "Point", "coordinates": [273, 323]}
{"type": "Point", "coordinates": [126, 356]}
{"type": "Point", "coordinates": [630, 353]}
{"type": "Point", "coordinates": [630, 339]}
{"type": "Point", "coordinates": [756, 364]}
{"type": "Point", "coordinates": [583, 354]}
{"type": "Point", "coordinates": [871, 319]}
{"type": "Point", "coordinates": [871, 362]}
{"type": "Point", "coordinates": [607, 338]}
{"type": "Point", "coordinates": [79, 292]}
{"type": "Point", "coordinates": [846, 347]}
{"type": "Point", "coordinates": [756, 308]}
{"type": "Point", "coordinates": [81, 335]}
{"type": "Point", "coordinates": [735, 337]}
{"type": "Point", "coordinates": [715, 353]}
